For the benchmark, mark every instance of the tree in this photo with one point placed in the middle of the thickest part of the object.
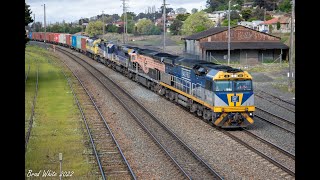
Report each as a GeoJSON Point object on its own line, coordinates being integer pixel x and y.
{"type": "Point", "coordinates": [194, 10]}
{"type": "Point", "coordinates": [246, 14]}
{"type": "Point", "coordinates": [130, 25]}
{"type": "Point", "coordinates": [213, 5]}
{"type": "Point", "coordinates": [285, 6]}
{"type": "Point", "coordinates": [278, 25]}
{"type": "Point", "coordinates": [130, 16]}
{"type": "Point", "coordinates": [94, 28]}
{"type": "Point", "coordinates": [146, 27]}
{"type": "Point", "coordinates": [181, 10]}
{"type": "Point", "coordinates": [258, 13]}
{"type": "Point", "coordinates": [266, 4]}
{"type": "Point", "coordinates": [196, 22]}
{"type": "Point", "coordinates": [168, 10]}
{"type": "Point", "coordinates": [270, 28]}
{"type": "Point", "coordinates": [112, 28]}
{"type": "Point", "coordinates": [27, 20]}
{"type": "Point", "coordinates": [232, 22]}
{"type": "Point", "coordinates": [182, 17]}
{"type": "Point", "coordinates": [175, 27]}
{"type": "Point", "coordinates": [154, 30]}
{"type": "Point", "coordinates": [234, 15]}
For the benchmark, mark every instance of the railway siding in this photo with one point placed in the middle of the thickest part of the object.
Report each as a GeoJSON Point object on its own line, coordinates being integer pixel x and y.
{"type": "Point", "coordinates": [210, 144]}
{"type": "Point", "coordinates": [56, 127]}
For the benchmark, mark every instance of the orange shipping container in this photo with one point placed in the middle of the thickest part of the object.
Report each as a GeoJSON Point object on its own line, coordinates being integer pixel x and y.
{"type": "Point", "coordinates": [68, 39]}
{"type": "Point", "coordinates": [83, 44]}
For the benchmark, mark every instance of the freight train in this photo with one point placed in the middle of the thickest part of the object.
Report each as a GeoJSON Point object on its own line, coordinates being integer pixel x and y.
{"type": "Point", "coordinates": [215, 92]}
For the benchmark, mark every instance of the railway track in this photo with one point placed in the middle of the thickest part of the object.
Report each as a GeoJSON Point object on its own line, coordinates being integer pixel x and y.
{"type": "Point", "coordinates": [27, 135]}
{"type": "Point", "coordinates": [278, 148]}
{"type": "Point", "coordinates": [25, 82]}
{"type": "Point", "coordinates": [276, 100]}
{"type": "Point", "coordinates": [185, 159]}
{"type": "Point", "coordinates": [280, 122]}
{"type": "Point", "coordinates": [109, 156]}
{"type": "Point", "coordinates": [288, 172]}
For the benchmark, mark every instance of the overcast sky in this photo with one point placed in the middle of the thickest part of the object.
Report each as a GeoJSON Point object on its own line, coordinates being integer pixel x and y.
{"type": "Point", "coordinates": [73, 10]}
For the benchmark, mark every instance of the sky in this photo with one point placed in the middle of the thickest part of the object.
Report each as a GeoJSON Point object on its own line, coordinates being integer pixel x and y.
{"type": "Point", "coordinates": [73, 10]}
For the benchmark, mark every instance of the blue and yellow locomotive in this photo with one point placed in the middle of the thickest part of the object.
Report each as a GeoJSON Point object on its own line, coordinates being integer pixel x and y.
{"type": "Point", "coordinates": [218, 93]}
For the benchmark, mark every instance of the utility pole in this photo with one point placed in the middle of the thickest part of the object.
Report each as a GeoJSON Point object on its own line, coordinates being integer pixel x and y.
{"type": "Point", "coordinates": [264, 15]}
{"type": "Point", "coordinates": [229, 33]}
{"type": "Point", "coordinates": [81, 24]}
{"type": "Point", "coordinates": [290, 74]}
{"type": "Point", "coordinates": [45, 28]}
{"type": "Point", "coordinates": [124, 20]}
{"type": "Point", "coordinates": [34, 24]}
{"type": "Point", "coordinates": [219, 20]}
{"type": "Point", "coordinates": [103, 23]}
{"type": "Point", "coordinates": [164, 24]}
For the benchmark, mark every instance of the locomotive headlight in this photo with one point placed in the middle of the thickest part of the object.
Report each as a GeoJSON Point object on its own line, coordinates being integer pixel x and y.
{"type": "Point", "coordinates": [250, 114]}
{"type": "Point", "coordinates": [233, 75]}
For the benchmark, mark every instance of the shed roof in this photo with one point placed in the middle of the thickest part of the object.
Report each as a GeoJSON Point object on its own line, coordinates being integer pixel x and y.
{"type": "Point", "coordinates": [206, 33]}
{"type": "Point", "coordinates": [243, 45]}
{"type": "Point", "coordinates": [216, 30]}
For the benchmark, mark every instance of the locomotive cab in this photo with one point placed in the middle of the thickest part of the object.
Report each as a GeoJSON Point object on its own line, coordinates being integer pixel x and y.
{"type": "Point", "coordinates": [233, 100]}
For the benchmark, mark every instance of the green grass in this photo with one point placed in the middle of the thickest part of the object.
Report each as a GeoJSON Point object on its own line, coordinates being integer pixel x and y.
{"type": "Point", "coordinates": [57, 122]}
{"type": "Point", "coordinates": [268, 67]}
{"type": "Point", "coordinates": [284, 87]}
{"type": "Point", "coordinates": [30, 86]}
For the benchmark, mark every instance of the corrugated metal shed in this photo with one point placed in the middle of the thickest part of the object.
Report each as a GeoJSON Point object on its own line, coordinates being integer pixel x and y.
{"type": "Point", "coordinates": [242, 45]}
{"type": "Point", "coordinates": [206, 33]}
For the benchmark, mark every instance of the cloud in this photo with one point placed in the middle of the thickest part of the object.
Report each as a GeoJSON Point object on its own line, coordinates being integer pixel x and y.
{"type": "Point", "coordinates": [73, 10]}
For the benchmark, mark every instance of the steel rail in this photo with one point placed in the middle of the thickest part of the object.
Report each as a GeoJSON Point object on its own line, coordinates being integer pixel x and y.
{"type": "Point", "coordinates": [259, 153]}
{"type": "Point", "coordinates": [32, 112]}
{"type": "Point", "coordinates": [105, 123]}
{"type": "Point", "coordinates": [161, 124]}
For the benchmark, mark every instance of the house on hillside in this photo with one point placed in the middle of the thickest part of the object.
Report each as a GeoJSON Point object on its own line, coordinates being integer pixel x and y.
{"type": "Point", "coordinates": [285, 24]}
{"type": "Point", "coordinates": [217, 16]}
{"type": "Point", "coordinates": [267, 25]}
{"type": "Point", "coordinates": [247, 46]}
{"type": "Point", "coordinates": [247, 5]}
{"type": "Point", "coordinates": [119, 23]}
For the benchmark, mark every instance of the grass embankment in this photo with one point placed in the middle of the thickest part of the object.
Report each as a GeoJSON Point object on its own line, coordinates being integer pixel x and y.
{"type": "Point", "coordinates": [30, 86]}
{"type": "Point", "coordinates": [57, 122]}
{"type": "Point", "coordinates": [278, 72]}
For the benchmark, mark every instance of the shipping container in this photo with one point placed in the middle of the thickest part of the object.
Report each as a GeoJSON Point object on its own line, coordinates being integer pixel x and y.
{"type": "Point", "coordinates": [74, 41]}
{"type": "Point", "coordinates": [41, 36]}
{"type": "Point", "coordinates": [78, 42]}
{"type": "Point", "coordinates": [56, 37]}
{"type": "Point", "coordinates": [33, 35]}
{"type": "Point", "coordinates": [30, 35]}
{"type": "Point", "coordinates": [68, 39]}
{"type": "Point", "coordinates": [47, 36]}
{"type": "Point", "coordinates": [62, 38]}
{"type": "Point", "coordinates": [51, 39]}
{"type": "Point", "coordinates": [36, 36]}
{"type": "Point", "coordinates": [83, 43]}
